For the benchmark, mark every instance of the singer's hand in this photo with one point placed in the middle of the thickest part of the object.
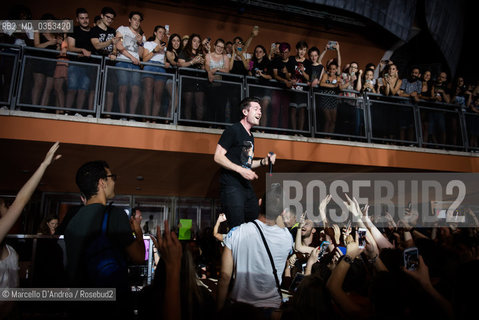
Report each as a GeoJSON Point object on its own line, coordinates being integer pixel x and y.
{"type": "Point", "coordinates": [248, 174]}
{"type": "Point", "coordinates": [271, 157]}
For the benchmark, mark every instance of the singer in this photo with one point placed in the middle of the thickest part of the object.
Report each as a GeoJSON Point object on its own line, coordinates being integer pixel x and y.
{"type": "Point", "coordinates": [234, 153]}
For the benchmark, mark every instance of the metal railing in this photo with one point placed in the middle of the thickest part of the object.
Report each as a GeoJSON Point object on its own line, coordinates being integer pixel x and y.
{"type": "Point", "coordinates": [186, 96]}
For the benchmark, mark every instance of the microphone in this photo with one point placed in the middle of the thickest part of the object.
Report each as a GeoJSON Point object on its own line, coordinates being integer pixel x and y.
{"type": "Point", "coordinates": [270, 163]}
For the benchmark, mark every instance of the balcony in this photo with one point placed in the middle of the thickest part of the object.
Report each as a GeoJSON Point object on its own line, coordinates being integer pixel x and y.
{"type": "Point", "coordinates": [170, 138]}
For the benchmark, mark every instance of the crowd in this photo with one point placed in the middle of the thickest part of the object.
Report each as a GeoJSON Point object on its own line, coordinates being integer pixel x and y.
{"type": "Point", "coordinates": [273, 266]}
{"type": "Point", "coordinates": [293, 66]}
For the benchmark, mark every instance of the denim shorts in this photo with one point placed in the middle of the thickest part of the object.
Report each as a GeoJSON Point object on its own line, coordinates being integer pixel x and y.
{"type": "Point", "coordinates": [157, 77]}
{"type": "Point", "coordinates": [125, 77]}
{"type": "Point", "coordinates": [78, 78]}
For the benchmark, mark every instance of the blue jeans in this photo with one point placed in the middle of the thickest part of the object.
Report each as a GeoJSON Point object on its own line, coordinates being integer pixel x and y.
{"type": "Point", "coordinates": [125, 77]}
{"type": "Point", "coordinates": [78, 78]}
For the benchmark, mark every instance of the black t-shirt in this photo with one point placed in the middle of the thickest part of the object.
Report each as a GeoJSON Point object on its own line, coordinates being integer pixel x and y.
{"type": "Point", "coordinates": [296, 74]}
{"type": "Point", "coordinates": [185, 56]}
{"type": "Point", "coordinates": [264, 66]}
{"type": "Point", "coordinates": [82, 229]}
{"type": "Point", "coordinates": [239, 146]}
{"type": "Point", "coordinates": [315, 72]}
{"type": "Point", "coordinates": [238, 68]}
{"type": "Point", "coordinates": [279, 64]}
{"type": "Point", "coordinates": [82, 38]}
{"type": "Point", "coordinates": [103, 36]}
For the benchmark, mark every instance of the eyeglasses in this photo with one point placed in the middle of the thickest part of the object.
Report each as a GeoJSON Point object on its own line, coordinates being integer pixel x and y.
{"type": "Point", "coordinates": [112, 176]}
{"type": "Point", "coordinates": [110, 17]}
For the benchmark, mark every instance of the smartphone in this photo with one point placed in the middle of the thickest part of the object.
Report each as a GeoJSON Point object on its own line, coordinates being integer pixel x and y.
{"type": "Point", "coordinates": [167, 28]}
{"type": "Point", "coordinates": [362, 237]}
{"type": "Point", "coordinates": [273, 46]}
{"type": "Point", "coordinates": [163, 43]}
{"type": "Point", "coordinates": [296, 281]}
{"type": "Point", "coordinates": [343, 250]}
{"type": "Point", "coordinates": [411, 258]}
{"type": "Point", "coordinates": [323, 248]}
{"type": "Point", "coordinates": [331, 45]}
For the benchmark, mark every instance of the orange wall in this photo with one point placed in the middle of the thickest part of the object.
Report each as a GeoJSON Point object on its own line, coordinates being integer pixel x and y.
{"type": "Point", "coordinates": [207, 22]}
{"type": "Point", "coordinates": [205, 143]}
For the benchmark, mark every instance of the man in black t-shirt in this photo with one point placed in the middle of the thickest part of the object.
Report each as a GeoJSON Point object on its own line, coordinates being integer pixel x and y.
{"type": "Point", "coordinates": [78, 78]}
{"type": "Point", "coordinates": [234, 153]}
{"type": "Point", "coordinates": [97, 185]}
{"type": "Point", "coordinates": [103, 39]}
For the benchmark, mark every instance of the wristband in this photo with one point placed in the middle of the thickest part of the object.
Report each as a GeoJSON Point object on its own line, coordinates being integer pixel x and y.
{"type": "Point", "coordinates": [348, 259]}
{"type": "Point", "coordinates": [261, 162]}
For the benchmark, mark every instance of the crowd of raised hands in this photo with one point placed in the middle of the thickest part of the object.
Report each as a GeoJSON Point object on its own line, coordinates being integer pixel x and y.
{"type": "Point", "coordinates": [369, 276]}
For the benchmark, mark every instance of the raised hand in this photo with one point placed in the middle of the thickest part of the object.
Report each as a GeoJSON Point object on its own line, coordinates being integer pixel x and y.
{"type": "Point", "coordinates": [322, 207]}
{"type": "Point", "coordinates": [169, 247]}
{"type": "Point", "coordinates": [50, 156]}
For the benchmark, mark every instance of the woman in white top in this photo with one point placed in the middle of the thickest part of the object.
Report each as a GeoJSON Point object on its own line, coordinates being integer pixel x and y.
{"type": "Point", "coordinates": [130, 49]}
{"type": "Point", "coordinates": [216, 61]}
{"type": "Point", "coordinates": [154, 84]}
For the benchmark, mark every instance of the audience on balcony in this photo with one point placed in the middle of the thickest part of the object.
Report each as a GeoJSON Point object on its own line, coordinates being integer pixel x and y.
{"type": "Point", "coordinates": [329, 86]}
{"type": "Point", "coordinates": [79, 78]}
{"type": "Point", "coordinates": [130, 48]}
{"type": "Point", "coordinates": [283, 109]}
{"type": "Point", "coordinates": [154, 52]}
{"type": "Point", "coordinates": [193, 89]}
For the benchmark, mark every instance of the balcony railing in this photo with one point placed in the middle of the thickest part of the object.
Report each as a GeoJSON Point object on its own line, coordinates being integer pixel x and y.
{"type": "Point", "coordinates": [41, 80]}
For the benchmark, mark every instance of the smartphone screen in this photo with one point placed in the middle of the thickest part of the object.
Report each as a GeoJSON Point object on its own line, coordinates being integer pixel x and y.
{"type": "Point", "coordinates": [411, 258]}
{"type": "Point", "coordinates": [323, 248]}
{"type": "Point", "coordinates": [362, 237]}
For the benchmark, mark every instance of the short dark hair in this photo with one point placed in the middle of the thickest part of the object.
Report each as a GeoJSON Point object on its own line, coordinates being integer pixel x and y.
{"type": "Point", "coordinates": [283, 46]}
{"type": "Point", "coordinates": [80, 11]}
{"type": "Point", "coordinates": [301, 44]}
{"type": "Point", "coordinates": [237, 37]}
{"type": "Point", "coordinates": [106, 10]}
{"type": "Point", "coordinates": [132, 13]}
{"type": "Point", "coordinates": [272, 204]}
{"type": "Point", "coordinates": [88, 175]}
{"type": "Point", "coordinates": [246, 102]}
{"type": "Point", "coordinates": [219, 40]}
{"type": "Point", "coordinates": [312, 49]}
{"type": "Point", "coordinates": [95, 20]}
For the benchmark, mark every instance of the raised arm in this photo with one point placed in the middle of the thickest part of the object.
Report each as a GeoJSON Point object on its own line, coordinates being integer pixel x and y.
{"type": "Point", "coordinates": [421, 275]}
{"type": "Point", "coordinates": [336, 280]}
{"type": "Point", "coordinates": [171, 253]}
{"type": "Point", "coordinates": [220, 219]}
{"type": "Point", "coordinates": [23, 196]}
{"type": "Point", "coordinates": [136, 250]}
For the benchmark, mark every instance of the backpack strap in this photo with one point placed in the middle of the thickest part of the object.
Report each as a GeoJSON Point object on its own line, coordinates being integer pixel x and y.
{"type": "Point", "coordinates": [271, 260]}
{"type": "Point", "coordinates": [104, 222]}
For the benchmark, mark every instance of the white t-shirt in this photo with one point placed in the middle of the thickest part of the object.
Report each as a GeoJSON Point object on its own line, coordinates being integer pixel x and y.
{"type": "Point", "coordinates": [8, 278]}
{"type": "Point", "coordinates": [129, 42]}
{"type": "Point", "coordinates": [254, 280]}
{"type": "Point", "coordinates": [157, 57]}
